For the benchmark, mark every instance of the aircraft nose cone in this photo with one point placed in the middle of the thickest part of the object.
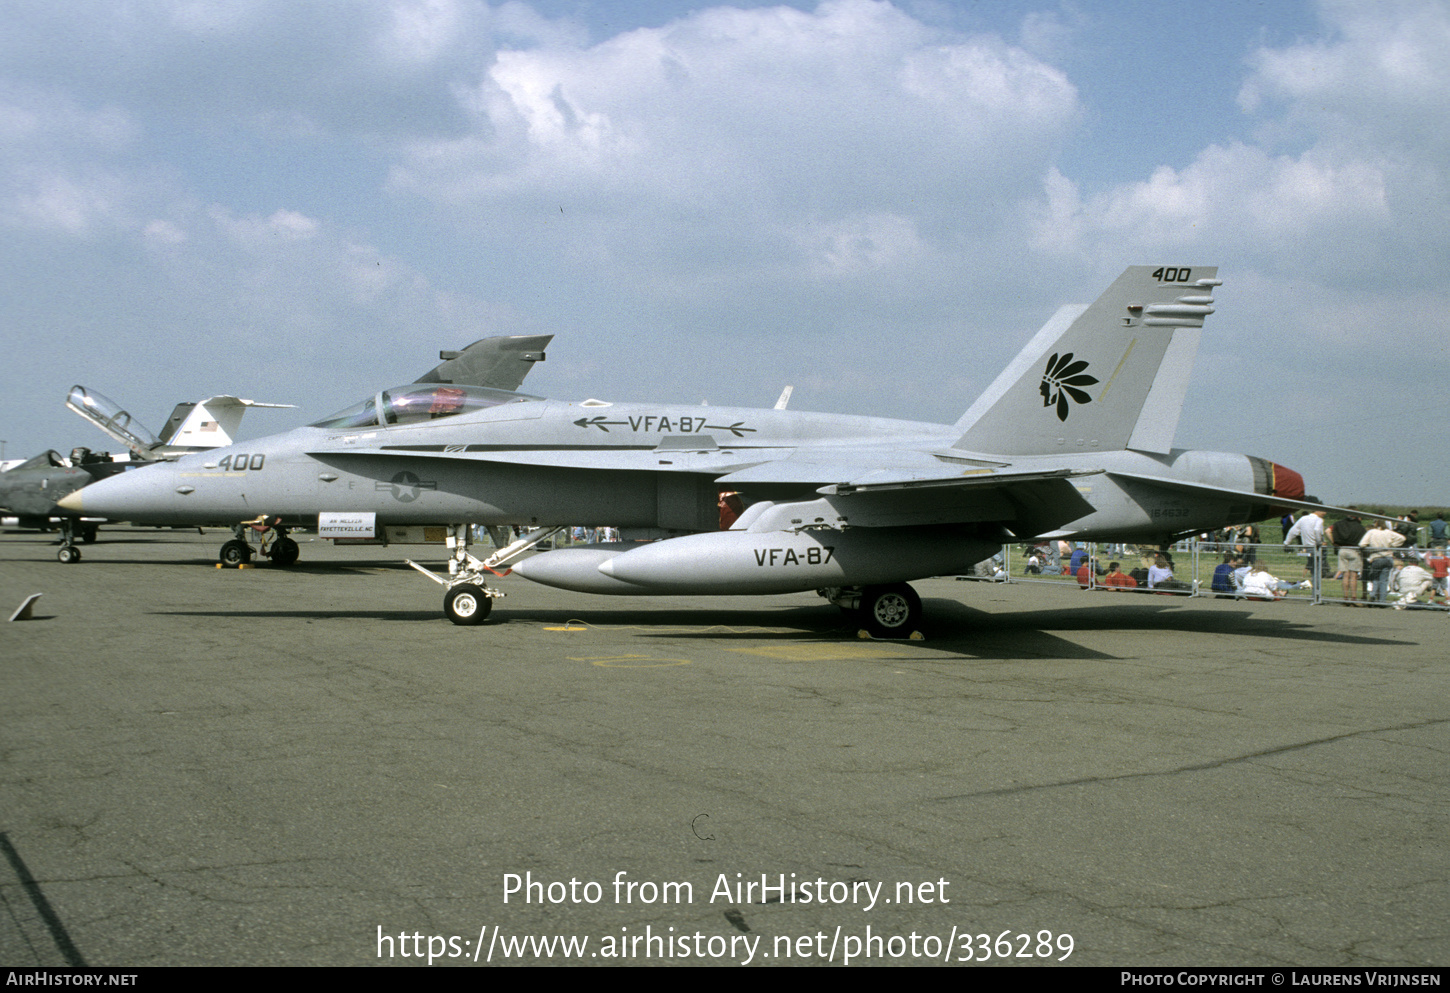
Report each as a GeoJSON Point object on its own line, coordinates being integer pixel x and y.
{"type": "Point", "coordinates": [123, 497]}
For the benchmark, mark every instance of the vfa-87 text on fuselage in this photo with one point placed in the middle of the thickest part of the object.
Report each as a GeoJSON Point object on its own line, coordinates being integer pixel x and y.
{"type": "Point", "coordinates": [1073, 439]}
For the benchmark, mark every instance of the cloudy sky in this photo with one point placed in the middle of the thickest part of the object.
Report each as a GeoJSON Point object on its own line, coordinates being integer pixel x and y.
{"type": "Point", "coordinates": [878, 203]}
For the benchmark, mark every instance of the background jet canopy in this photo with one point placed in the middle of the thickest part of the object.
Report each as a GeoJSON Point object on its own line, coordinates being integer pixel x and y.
{"type": "Point", "coordinates": [420, 402]}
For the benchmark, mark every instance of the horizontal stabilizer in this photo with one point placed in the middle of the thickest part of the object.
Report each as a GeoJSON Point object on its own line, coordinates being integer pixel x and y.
{"type": "Point", "coordinates": [1266, 499]}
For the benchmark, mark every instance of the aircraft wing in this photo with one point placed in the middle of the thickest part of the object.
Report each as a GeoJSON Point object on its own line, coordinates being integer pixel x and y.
{"type": "Point", "coordinates": [500, 362]}
{"type": "Point", "coordinates": [738, 467]}
{"type": "Point", "coordinates": [1008, 504]}
{"type": "Point", "coordinates": [895, 480]}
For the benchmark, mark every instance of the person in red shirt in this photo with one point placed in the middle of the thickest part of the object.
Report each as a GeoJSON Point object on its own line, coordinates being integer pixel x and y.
{"type": "Point", "coordinates": [1115, 579]}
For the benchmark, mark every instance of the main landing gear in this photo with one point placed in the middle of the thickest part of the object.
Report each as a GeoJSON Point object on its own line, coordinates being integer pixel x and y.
{"type": "Point", "coordinates": [272, 541]}
{"type": "Point", "coordinates": [892, 610]}
{"type": "Point", "coordinates": [468, 600]}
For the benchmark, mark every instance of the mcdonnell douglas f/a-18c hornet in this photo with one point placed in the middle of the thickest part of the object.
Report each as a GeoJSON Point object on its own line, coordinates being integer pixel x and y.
{"type": "Point", "coordinates": [1073, 439]}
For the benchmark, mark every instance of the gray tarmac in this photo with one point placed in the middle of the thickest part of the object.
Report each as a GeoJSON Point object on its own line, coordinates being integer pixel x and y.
{"type": "Point", "coordinates": [202, 766]}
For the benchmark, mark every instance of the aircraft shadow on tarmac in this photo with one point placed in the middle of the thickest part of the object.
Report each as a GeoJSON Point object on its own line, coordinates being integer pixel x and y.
{"type": "Point", "coordinates": [952, 629]}
{"type": "Point", "coordinates": [411, 616]}
{"type": "Point", "coordinates": [986, 634]}
{"type": "Point", "coordinates": [94, 560]}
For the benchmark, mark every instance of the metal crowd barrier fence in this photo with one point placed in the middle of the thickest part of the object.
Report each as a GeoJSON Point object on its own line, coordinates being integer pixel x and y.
{"type": "Point", "coordinates": [1304, 574]}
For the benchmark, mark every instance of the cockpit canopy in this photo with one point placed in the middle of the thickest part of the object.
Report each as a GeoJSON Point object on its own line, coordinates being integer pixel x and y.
{"type": "Point", "coordinates": [418, 402]}
{"type": "Point", "coordinates": [45, 460]}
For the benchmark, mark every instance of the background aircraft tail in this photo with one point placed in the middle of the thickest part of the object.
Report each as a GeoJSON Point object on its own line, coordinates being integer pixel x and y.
{"type": "Point", "coordinates": [211, 423]}
{"type": "Point", "coordinates": [1107, 376]}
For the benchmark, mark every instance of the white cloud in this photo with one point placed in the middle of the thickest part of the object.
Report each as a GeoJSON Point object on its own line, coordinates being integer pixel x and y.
{"type": "Point", "coordinates": [1274, 203]}
{"type": "Point", "coordinates": [420, 31]}
{"type": "Point", "coordinates": [265, 233]}
{"type": "Point", "coordinates": [267, 66]}
{"type": "Point", "coordinates": [853, 99]}
{"type": "Point", "coordinates": [159, 232]}
{"type": "Point", "coordinates": [1347, 175]}
{"type": "Point", "coordinates": [856, 245]}
{"type": "Point", "coordinates": [758, 144]}
{"type": "Point", "coordinates": [1383, 65]}
{"type": "Point", "coordinates": [61, 204]}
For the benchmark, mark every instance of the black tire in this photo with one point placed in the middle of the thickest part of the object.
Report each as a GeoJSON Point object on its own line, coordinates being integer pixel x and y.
{"type": "Point", "coordinates": [68, 554]}
{"type": "Point", "coordinates": [467, 604]}
{"type": "Point", "coordinates": [284, 552]}
{"type": "Point", "coordinates": [235, 552]}
{"type": "Point", "coordinates": [88, 533]}
{"type": "Point", "coordinates": [892, 611]}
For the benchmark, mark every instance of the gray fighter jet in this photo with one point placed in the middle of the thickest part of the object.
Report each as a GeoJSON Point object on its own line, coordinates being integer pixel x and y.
{"type": "Point", "coordinates": [31, 490]}
{"type": "Point", "coordinates": [1073, 439]}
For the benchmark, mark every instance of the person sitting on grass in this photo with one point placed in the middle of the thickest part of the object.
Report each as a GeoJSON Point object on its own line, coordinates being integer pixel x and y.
{"type": "Point", "coordinates": [1085, 572]}
{"type": "Point", "coordinates": [1260, 584]}
{"type": "Point", "coordinates": [1117, 581]}
{"type": "Point", "coordinates": [1223, 576]}
{"type": "Point", "coordinates": [1413, 582]}
{"type": "Point", "coordinates": [1159, 572]}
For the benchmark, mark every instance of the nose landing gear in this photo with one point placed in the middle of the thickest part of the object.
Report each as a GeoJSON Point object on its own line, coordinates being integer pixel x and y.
{"type": "Point", "coordinates": [272, 541]}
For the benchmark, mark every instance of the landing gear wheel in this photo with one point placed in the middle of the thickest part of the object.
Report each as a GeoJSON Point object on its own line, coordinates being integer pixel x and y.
{"type": "Point", "coordinates": [68, 554]}
{"type": "Point", "coordinates": [891, 611]}
{"type": "Point", "coordinates": [88, 533]}
{"type": "Point", "coordinates": [467, 604]}
{"type": "Point", "coordinates": [284, 552]}
{"type": "Point", "coordinates": [235, 552]}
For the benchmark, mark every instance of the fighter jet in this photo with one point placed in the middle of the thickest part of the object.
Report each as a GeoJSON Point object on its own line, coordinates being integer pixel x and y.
{"type": "Point", "coordinates": [1073, 439]}
{"type": "Point", "coordinates": [30, 491]}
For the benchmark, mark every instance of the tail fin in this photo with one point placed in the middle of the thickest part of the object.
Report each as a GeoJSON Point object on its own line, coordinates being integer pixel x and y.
{"type": "Point", "coordinates": [500, 362]}
{"type": "Point", "coordinates": [1107, 376]}
{"type": "Point", "coordinates": [210, 423]}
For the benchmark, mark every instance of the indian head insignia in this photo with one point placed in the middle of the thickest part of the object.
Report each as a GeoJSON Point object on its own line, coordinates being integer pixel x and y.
{"type": "Point", "coordinates": [1063, 382]}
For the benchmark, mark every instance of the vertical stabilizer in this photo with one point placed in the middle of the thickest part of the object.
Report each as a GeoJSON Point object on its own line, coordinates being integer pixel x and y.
{"type": "Point", "coordinates": [500, 363]}
{"type": "Point", "coordinates": [1111, 375]}
{"type": "Point", "coordinates": [212, 423]}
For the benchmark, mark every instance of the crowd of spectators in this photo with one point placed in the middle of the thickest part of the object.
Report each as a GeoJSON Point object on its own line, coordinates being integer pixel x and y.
{"type": "Point", "coordinates": [1376, 561]}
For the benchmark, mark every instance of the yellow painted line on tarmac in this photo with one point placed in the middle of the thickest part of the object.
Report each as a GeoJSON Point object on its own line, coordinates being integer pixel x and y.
{"type": "Point", "coordinates": [577, 625]}
{"type": "Point", "coordinates": [818, 653]}
{"type": "Point", "coordinates": [630, 661]}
